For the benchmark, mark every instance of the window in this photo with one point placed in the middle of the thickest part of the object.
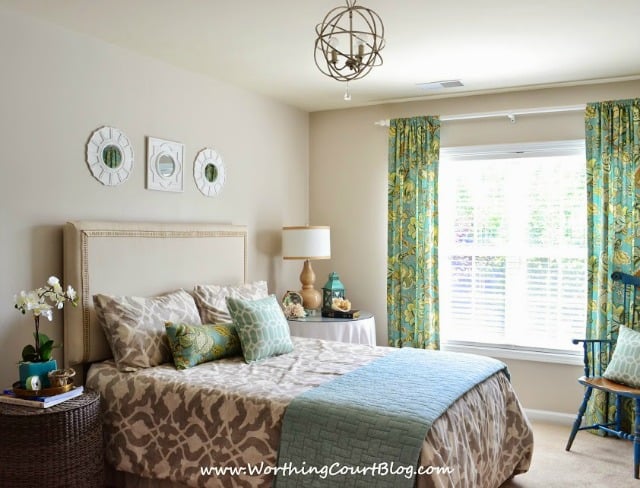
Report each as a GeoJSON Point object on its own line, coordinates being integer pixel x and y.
{"type": "Point", "coordinates": [512, 249]}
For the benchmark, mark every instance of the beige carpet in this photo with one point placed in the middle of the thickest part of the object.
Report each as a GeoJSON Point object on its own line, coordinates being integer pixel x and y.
{"type": "Point", "coordinates": [593, 461]}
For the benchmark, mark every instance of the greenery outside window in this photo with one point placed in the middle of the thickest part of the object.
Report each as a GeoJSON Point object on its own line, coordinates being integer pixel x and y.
{"type": "Point", "coordinates": [512, 249]}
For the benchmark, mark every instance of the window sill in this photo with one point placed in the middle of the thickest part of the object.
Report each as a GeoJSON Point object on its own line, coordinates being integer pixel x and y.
{"type": "Point", "coordinates": [573, 358]}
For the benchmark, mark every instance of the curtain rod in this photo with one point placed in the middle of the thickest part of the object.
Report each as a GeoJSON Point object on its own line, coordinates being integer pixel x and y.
{"type": "Point", "coordinates": [510, 114]}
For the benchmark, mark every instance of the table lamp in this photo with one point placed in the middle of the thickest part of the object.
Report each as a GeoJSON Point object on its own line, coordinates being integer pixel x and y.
{"type": "Point", "coordinates": [308, 243]}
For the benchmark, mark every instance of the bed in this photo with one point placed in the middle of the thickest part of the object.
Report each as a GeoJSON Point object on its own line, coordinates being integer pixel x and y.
{"type": "Point", "coordinates": [205, 425]}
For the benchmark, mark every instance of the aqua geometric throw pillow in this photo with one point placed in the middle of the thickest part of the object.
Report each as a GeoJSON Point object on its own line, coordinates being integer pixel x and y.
{"type": "Point", "coordinates": [262, 327]}
{"type": "Point", "coordinates": [625, 363]}
{"type": "Point", "coordinates": [196, 344]}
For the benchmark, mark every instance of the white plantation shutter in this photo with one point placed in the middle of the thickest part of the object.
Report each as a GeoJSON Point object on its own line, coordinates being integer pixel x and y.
{"type": "Point", "coordinates": [512, 252]}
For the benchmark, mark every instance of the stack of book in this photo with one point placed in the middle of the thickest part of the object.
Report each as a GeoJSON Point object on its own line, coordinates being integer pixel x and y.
{"type": "Point", "coordinates": [341, 314]}
{"type": "Point", "coordinates": [9, 396]}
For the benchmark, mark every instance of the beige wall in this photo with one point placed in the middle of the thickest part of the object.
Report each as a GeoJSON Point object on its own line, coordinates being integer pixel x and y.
{"type": "Point", "coordinates": [348, 191]}
{"type": "Point", "coordinates": [57, 87]}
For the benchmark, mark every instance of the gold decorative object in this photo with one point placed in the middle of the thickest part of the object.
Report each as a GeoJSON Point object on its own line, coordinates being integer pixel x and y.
{"type": "Point", "coordinates": [61, 377]}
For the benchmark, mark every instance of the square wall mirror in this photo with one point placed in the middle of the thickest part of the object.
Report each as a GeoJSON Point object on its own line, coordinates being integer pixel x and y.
{"type": "Point", "coordinates": [164, 165]}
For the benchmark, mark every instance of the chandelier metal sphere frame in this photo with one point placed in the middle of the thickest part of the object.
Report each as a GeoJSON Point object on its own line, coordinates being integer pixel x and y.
{"type": "Point", "coordinates": [349, 42]}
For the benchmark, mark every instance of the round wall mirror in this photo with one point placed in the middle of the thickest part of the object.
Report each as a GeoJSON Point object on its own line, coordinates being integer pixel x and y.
{"type": "Point", "coordinates": [112, 156]}
{"type": "Point", "coordinates": [166, 165]}
{"type": "Point", "coordinates": [109, 156]}
{"type": "Point", "coordinates": [209, 172]}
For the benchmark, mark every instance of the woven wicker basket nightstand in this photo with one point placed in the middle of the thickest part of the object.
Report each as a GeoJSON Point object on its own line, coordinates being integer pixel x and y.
{"type": "Point", "coordinates": [60, 446]}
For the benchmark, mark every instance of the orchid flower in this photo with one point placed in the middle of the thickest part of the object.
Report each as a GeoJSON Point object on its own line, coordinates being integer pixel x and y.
{"type": "Point", "coordinates": [41, 302]}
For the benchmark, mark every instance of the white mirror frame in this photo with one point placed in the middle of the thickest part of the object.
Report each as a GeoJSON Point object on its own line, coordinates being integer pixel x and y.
{"type": "Point", "coordinates": [156, 150]}
{"type": "Point", "coordinates": [99, 140]}
{"type": "Point", "coordinates": [204, 158]}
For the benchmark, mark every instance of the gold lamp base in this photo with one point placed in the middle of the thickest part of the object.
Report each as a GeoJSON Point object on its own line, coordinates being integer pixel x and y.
{"type": "Point", "coordinates": [311, 298]}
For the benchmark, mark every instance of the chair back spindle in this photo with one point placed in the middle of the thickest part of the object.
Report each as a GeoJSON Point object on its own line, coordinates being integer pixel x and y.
{"type": "Point", "coordinates": [630, 285]}
{"type": "Point", "coordinates": [596, 356]}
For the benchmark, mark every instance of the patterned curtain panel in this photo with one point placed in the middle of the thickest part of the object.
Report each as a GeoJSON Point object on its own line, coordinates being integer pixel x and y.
{"type": "Point", "coordinates": [612, 132]}
{"type": "Point", "coordinates": [412, 269]}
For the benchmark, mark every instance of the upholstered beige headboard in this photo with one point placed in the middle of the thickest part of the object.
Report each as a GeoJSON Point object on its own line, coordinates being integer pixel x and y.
{"type": "Point", "coordinates": [140, 259]}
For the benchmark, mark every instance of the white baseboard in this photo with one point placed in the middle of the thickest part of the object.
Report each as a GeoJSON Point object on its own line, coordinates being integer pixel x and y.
{"type": "Point", "coordinates": [551, 417]}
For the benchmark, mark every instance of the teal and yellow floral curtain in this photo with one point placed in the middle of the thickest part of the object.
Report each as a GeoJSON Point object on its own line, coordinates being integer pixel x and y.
{"type": "Point", "coordinates": [412, 268]}
{"type": "Point", "coordinates": [612, 133]}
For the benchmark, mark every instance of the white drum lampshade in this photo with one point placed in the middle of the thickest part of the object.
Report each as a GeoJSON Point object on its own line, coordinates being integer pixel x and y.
{"type": "Point", "coordinates": [308, 243]}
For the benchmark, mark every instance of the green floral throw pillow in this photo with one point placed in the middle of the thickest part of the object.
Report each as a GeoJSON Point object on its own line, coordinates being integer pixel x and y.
{"type": "Point", "coordinates": [196, 344]}
{"type": "Point", "coordinates": [262, 327]}
{"type": "Point", "coordinates": [625, 363]}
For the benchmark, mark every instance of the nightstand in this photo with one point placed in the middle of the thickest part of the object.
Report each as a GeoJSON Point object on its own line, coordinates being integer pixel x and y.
{"type": "Point", "coordinates": [59, 446]}
{"type": "Point", "coordinates": [359, 331]}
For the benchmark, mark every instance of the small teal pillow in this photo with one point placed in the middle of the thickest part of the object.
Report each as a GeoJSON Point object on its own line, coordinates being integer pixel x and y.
{"type": "Point", "coordinates": [196, 344]}
{"type": "Point", "coordinates": [625, 363]}
{"type": "Point", "coordinates": [262, 327]}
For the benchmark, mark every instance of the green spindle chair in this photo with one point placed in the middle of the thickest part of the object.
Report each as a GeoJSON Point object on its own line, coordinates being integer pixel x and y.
{"type": "Point", "coordinates": [603, 349]}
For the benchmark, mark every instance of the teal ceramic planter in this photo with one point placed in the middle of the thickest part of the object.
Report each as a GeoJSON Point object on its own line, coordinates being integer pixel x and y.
{"type": "Point", "coordinates": [28, 368]}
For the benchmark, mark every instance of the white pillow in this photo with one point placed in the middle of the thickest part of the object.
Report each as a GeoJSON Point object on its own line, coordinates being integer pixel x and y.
{"type": "Point", "coordinates": [625, 363]}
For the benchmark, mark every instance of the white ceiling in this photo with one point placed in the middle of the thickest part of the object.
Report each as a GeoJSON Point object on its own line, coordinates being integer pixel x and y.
{"type": "Point", "coordinates": [267, 46]}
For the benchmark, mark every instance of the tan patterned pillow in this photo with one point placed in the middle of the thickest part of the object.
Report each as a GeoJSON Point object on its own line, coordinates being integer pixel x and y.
{"type": "Point", "coordinates": [135, 328]}
{"type": "Point", "coordinates": [211, 299]}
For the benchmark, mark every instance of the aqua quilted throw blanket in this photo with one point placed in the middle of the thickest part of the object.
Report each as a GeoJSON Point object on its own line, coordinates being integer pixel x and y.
{"type": "Point", "coordinates": [366, 428]}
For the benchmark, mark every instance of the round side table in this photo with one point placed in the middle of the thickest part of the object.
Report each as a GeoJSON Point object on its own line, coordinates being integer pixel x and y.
{"type": "Point", "coordinates": [59, 446]}
{"type": "Point", "coordinates": [361, 330]}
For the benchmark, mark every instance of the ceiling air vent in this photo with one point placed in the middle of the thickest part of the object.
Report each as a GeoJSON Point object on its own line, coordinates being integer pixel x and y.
{"type": "Point", "coordinates": [439, 85]}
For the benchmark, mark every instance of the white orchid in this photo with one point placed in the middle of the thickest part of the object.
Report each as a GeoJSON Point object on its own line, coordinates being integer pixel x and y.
{"type": "Point", "coordinates": [52, 281]}
{"type": "Point", "coordinates": [24, 301]}
{"type": "Point", "coordinates": [41, 302]}
{"type": "Point", "coordinates": [71, 293]}
{"type": "Point", "coordinates": [41, 308]}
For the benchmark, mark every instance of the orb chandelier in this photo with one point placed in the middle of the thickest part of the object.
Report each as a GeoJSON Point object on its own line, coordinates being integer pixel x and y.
{"type": "Point", "coordinates": [349, 42]}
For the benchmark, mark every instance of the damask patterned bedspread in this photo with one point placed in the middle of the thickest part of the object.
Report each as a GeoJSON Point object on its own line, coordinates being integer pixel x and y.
{"type": "Point", "coordinates": [209, 425]}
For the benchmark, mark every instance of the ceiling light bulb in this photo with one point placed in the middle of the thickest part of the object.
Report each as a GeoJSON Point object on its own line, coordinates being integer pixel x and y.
{"type": "Point", "coordinates": [347, 94]}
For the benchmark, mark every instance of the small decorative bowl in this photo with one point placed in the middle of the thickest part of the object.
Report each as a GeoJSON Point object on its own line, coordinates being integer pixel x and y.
{"type": "Point", "coordinates": [61, 377]}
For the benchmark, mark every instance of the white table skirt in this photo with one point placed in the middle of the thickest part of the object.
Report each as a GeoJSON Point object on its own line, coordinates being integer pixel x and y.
{"type": "Point", "coordinates": [359, 331]}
